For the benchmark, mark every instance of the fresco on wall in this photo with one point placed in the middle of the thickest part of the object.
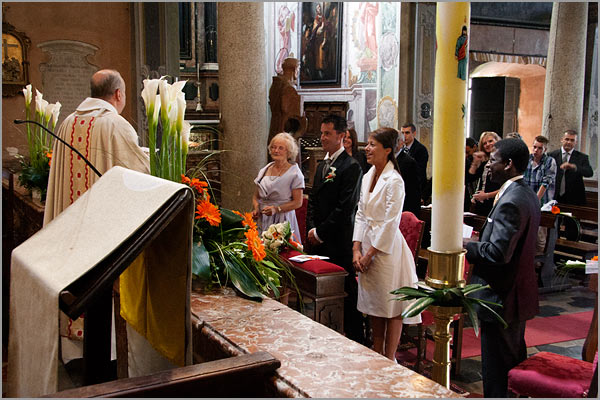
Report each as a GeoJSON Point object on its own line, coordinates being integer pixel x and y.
{"type": "Point", "coordinates": [286, 43]}
{"type": "Point", "coordinates": [389, 50]}
{"type": "Point", "coordinates": [362, 60]}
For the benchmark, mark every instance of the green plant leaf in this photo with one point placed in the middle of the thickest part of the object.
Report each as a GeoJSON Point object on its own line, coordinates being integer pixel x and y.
{"type": "Point", "coordinates": [468, 306]}
{"type": "Point", "coordinates": [494, 313]}
{"type": "Point", "coordinates": [417, 307]}
{"type": "Point", "coordinates": [409, 291]}
{"type": "Point", "coordinates": [200, 261]}
{"type": "Point", "coordinates": [245, 283]}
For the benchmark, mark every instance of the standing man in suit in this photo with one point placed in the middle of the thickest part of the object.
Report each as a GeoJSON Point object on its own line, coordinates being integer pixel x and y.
{"type": "Point", "coordinates": [409, 172]}
{"type": "Point", "coordinates": [332, 205]}
{"type": "Point", "coordinates": [417, 151]}
{"type": "Point", "coordinates": [503, 258]}
{"type": "Point", "coordinates": [573, 166]}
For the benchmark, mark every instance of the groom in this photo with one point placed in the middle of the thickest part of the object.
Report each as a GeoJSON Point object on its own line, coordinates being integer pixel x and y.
{"type": "Point", "coordinates": [330, 216]}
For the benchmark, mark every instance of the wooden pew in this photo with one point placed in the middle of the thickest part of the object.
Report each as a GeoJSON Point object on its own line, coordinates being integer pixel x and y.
{"type": "Point", "coordinates": [582, 249]}
{"type": "Point", "coordinates": [241, 376]}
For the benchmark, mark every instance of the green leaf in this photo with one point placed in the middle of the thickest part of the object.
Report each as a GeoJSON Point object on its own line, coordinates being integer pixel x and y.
{"type": "Point", "coordinates": [417, 307]}
{"type": "Point", "coordinates": [229, 219]}
{"type": "Point", "coordinates": [242, 281]}
{"type": "Point", "coordinates": [200, 261]}
{"type": "Point", "coordinates": [467, 304]}
{"type": "Point", "coordinates": [496, 315]}
{"type": "Point", "coordinates": [409, 291]}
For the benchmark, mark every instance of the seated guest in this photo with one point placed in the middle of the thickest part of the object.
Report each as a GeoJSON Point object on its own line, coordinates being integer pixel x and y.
{"type": "Point", "coordinates": [379, 251]}
{"type": "Point", "coordinates": [351, 147]}
{"type": "Point", "coordinates": [409, 171]}
{"type": "Point", "coordinates": [483, 199]}
{"type": "Point", "coordinates": [470, 180]}
{"type": "Point", "coordinates": [279, 186]}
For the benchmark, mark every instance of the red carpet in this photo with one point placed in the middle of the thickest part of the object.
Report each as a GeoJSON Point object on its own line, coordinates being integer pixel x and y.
{"type": "Point", "coordinates": [561, 328]}
{"type": "Point", "coordinates": [539, 331]}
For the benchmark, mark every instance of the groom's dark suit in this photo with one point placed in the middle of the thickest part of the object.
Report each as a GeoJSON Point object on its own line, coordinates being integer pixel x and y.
{"type": "Point", "coordinates": [503, 258]}
{"type": "Point", "coordinates": [331, 209]}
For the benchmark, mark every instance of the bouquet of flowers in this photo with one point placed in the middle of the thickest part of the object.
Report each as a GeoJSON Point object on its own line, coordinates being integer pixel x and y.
{"type": "Point", "coordinates": [227, 248]}
{"type": "Point", "coordinates": [36, 169]}
{"type": "Point", "coordinates": [279, 235]}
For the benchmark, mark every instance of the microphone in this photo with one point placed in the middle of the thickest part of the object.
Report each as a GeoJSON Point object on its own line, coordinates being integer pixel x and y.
{"type": "Point", "coordinates": [21, 121]}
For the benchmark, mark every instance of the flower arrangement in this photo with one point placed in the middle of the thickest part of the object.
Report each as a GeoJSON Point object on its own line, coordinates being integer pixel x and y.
{"type": "Point", "coordinates": [228, 248]}
{"type": "Point", "coordinates": [36, 169]}
{"type": "Point", "coordinates": [278, 236]}
{"type": "Point", "coordinates": [166, 103]}
{"type": "Point", "coordinates": [568, 219]}
{"type": "Point", "coordinates": [449, 297]}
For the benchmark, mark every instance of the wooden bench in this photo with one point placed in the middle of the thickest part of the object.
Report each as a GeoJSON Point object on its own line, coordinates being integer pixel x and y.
{"type": "Point", "coordinates": [241, 376]}
{"type": "Point", "coordinates": [582, 249]}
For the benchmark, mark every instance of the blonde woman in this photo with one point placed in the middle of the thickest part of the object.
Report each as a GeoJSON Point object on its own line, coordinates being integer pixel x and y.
{"type": "Point", "coordinates": [279, 186]}
{"type": "Point", "coordinates": [483, 199]}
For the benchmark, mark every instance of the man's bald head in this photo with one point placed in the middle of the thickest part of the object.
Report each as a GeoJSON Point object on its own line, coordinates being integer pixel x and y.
{"type": "Point", "coordinates": [107, 84]}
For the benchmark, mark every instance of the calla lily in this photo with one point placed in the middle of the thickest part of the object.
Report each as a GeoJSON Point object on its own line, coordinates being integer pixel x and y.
{"type": "Point", "coordinates": [28, 93]}
{"type": "Point", "coordinates": [40, 103]}
{"type": "Point", "coordinates": [48, 110]}
{"type": "Point", "coordinates": [149, 95]}
{"type": "Point", "coordinates": [180, 110]}
{"type": "Point", "coordinates": [157, 104]}
{"type": "Point", "coordinates": [185, 135]}
{"type": "Point", "coordinates": [55, 113]}
{"type": "Point", "coordinates": [164, 99]}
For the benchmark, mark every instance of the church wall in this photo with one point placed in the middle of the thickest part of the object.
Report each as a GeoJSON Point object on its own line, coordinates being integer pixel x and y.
{"type": "Point", "coordinates": [106, 26]}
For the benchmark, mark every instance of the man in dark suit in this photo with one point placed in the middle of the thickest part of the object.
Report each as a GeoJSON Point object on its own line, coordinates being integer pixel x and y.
{"type": "Point", "coordinates": [503, 258]}
{"type": "Point", "coordinates": [331, 208]}
{"type": "Point", "coordinates": [417, 151]}
{"type": "Point", "coordinates": [573, 166]}
{"type": "Point", "coordinates": [409, 172]}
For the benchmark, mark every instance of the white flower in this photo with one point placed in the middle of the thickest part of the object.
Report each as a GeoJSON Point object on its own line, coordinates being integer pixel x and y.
{"type": "Point", "coordinates": [48, 110]}
{"type": "Point", "coordinates": [28, 93]}
{"type": "Point", "coordinates": [149, 95]}
{"type": "Point", "coordinates": [55, 113]}
{"type": "Point", "coordinates": [40, 103]}
{"type": "Point", "coordinates": [185, 134]}
{"type": "Point", "coordinates": [180, 110]}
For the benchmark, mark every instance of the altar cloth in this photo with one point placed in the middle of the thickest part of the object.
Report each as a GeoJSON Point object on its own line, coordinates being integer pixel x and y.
{"type": "Point", "coordinates": [82, 236]}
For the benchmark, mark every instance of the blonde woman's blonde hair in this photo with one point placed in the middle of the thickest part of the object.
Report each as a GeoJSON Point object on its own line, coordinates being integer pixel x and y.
{"type": "Point", "coordinates": [290, 144]}
{"type": "Point", "coordinates": [484, 135]}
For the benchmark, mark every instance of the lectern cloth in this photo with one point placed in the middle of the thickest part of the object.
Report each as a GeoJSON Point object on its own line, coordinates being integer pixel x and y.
{"type": "Point", "coordinates": [73, 243]}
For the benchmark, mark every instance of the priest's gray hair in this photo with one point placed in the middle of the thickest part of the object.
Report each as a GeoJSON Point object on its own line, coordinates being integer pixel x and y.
{"type": "Point", "coordinates": [105, 83]}
{"type": "Point", "coordinates": [290, 144]}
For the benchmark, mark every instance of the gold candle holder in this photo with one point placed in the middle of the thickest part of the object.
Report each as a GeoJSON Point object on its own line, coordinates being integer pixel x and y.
{"type": "Point", "coordinates": [445, 270]}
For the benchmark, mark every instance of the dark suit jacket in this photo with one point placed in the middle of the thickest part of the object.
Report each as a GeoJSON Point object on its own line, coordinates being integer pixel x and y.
{"type": "Point", "coordinates": [331, 209]}
{"type": "Point", "coordinates": [409, 171]}
{"type": "Point", "coordinates": [504, 255]}
{"type": "Point", "coordinates": [421, 156]}
{"type": "Point", "coordinates": [575, 188]}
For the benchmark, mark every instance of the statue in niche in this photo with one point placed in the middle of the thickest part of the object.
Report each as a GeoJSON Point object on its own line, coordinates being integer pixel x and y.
{"type": "Point", "coordinates": [284, 100]}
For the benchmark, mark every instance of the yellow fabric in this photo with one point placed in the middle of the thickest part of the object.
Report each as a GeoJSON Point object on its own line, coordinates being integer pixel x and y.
{"type": "Point", "coordinates": [158, 317]}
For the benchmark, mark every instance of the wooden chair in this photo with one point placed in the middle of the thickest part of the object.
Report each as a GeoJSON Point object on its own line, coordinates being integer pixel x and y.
{"type": "Point", "coordinates": [241, 376]}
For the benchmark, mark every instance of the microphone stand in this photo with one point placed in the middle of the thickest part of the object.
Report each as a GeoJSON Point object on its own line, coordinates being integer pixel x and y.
{"type": "Point", "coordinates": [20, 121]}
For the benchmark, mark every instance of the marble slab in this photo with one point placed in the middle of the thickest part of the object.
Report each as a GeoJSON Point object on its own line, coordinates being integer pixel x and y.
{"type": "Point", "coordinates": [315, 361]}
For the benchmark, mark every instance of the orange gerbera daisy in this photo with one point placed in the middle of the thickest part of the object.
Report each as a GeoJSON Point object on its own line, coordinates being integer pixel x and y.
{"type": "Point", "coordinates": [249, 221]}
{"type": "Point", "coordinates": [185, 179]}
{"type": "Point", "coordinates": [555, 210]}
{"type": "Point", "coordinates": [199, 185]}
{"type": "Point", "coordinates": [207, 210]}
{"type": "Point", "coordinates": [49, 155]}
{"type": "Point", "coordinates": [255, 244]}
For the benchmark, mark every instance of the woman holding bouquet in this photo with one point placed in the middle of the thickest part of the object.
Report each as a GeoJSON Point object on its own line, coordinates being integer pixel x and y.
{"type": "Point", "coordinates": [380, 253]}
{"type": "Point", "coordinates": [279, 186]}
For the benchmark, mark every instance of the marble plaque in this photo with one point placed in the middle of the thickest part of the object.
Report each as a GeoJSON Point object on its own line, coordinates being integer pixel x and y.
{"type": "Point", "coordinates": [66, 76]}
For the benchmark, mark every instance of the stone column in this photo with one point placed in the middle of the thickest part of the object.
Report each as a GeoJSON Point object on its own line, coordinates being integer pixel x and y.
{"type": "Point", "coordinates": [243, 98]}
{"type": "Point", "coordinates": [563, 93]}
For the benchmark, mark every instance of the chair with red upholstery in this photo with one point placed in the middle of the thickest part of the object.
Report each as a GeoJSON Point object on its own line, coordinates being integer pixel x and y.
{"type": "Point", "coordinates": [553, 375]}
{"type": "Point", "coordinates": [412, 230]}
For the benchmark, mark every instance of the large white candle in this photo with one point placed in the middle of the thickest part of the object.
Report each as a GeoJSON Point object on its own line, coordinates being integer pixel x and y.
{"type": "Point", "coordinates": [449, 127]}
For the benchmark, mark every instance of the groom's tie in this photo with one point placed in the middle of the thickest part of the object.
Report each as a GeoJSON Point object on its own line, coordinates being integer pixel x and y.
{"type": "Point", "coordinates": [326, 165]}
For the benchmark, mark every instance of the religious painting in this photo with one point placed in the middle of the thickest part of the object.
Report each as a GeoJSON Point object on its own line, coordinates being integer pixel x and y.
{"type": "Point", "coordinates": [321, 43]}
{"type": "Point", "coordinates": [285, 36]}
{"type": "Point", "coordinates": [15, 74]}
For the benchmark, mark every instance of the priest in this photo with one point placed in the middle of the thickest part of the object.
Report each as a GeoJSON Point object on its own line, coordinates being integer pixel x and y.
{"type": "Point", "coordinates": [98, 131]}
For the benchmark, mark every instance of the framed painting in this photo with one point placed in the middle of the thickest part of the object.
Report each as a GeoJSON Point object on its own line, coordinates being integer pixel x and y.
{"type": "Point", "coordinates": [15, 64]}
{"type": "Point", "coordinates": [321, 43]}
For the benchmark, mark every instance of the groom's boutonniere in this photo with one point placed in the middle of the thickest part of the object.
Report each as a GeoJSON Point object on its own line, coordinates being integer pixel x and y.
{"type": "Point", "coordinates": [330, 175]}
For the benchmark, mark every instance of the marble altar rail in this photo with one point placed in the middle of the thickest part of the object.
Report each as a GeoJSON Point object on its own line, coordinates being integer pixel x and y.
{"type": "Point", "coordinates": [315, 361]}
